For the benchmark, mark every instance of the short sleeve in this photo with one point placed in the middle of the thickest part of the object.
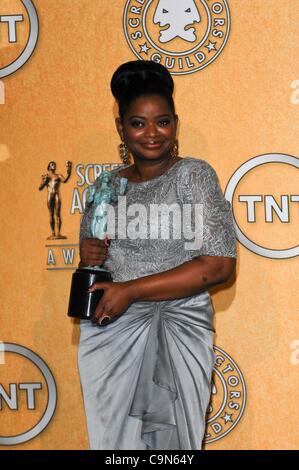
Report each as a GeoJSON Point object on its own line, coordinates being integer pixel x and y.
{"type": "Point", "coordinates": [200, 185]}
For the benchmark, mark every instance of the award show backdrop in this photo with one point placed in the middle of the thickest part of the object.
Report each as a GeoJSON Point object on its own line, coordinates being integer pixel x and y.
{"type": "Point", "coordinates": [235, 66]}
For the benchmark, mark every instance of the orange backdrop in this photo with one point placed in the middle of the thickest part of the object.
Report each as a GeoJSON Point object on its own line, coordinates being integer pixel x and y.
{"type": "Point", "coordinates": [58, 106]}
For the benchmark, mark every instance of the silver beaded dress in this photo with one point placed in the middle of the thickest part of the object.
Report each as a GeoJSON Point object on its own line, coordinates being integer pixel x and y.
{"type": "Point", "coordinates": [146, 378]}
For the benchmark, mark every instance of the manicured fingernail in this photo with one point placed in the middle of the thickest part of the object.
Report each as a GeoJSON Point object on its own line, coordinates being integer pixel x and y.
{"type": "Point", "coordinates": [104, 320]}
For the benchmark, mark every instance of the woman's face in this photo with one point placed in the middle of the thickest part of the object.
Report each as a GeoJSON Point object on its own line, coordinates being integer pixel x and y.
{"type": "Point", "coordinates": [148, 128]}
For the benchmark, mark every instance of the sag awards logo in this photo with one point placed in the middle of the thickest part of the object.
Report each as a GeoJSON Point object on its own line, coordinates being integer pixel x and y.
{"type": "Point", "coordinates": [27, 394]}
{"type": "Point", "coordinates": [19, 34]}
{"type": "Point", "coordinates": [264, 197]}
{"type": "Point", "coordinates": [228, 398]}
{"type": "Point", "coordinates": [184, 36]}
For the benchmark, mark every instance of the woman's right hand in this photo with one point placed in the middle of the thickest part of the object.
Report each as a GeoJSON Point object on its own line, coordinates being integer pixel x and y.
{"type": "Point", "coordinates": [93, 252]}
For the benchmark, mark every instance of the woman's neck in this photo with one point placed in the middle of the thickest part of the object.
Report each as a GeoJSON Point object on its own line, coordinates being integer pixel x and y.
{"type": "Point", "coordinates": [146, 170]}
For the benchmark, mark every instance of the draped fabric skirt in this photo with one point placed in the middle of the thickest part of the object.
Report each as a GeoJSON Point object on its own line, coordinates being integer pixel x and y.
{"type": "Point", "coordinates": [146, 378]}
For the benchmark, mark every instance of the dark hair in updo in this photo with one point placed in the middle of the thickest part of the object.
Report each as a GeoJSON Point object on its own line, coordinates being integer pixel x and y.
{"type": "Point", "coordinates": [140, 78]}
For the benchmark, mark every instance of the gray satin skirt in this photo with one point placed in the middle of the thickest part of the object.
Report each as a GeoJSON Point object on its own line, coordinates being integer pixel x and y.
{"type": "Point", "coordinates": [146, 378]}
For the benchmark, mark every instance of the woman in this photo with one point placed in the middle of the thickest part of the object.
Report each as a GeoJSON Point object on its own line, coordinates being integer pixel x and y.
{"type": "Point", "coordinates": [146, 376]}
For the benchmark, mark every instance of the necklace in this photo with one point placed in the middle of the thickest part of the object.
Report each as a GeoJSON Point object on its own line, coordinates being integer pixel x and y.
{"type": "Point", "coordinates": [167, 166]}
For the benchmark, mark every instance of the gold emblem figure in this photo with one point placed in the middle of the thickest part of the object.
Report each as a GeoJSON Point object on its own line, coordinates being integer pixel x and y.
{"type": "Point", "coordinates": [52, 180]}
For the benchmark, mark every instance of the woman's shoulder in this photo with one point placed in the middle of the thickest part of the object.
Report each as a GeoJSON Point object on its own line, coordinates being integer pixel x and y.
{"type": "Point", "coordinates": [196, 165]}
{"type": "Point", "coordinates": [197, 181]}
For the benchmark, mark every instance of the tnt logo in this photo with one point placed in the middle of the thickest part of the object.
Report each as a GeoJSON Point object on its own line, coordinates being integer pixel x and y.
{"type": "Point", "coordinates": [27, 394]}
{"type": "Point", "coordinates": [264, 196]}
{"type": "Point", "coordinates": [11, 398]}
{"type": "Point", "coordinates": [18, 34]}
{"type": "Point", "coordinates": [11, 21]}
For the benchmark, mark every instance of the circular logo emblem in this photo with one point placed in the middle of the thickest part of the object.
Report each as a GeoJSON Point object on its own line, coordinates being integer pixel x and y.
{"type": "Point", "coordinates": [28, 394]}
{"type": "Point", "coordinates": [228, 397]}
{"type": "Point", "coordinates": [184, 36]}
{"type": "Point", "coordinates": [19, 34]}
{"type": "Point", "coordinates": [264, 197]}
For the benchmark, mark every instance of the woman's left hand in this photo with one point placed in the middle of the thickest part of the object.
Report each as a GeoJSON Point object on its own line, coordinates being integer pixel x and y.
{"type": "Point", "coordinates": [115, 301]}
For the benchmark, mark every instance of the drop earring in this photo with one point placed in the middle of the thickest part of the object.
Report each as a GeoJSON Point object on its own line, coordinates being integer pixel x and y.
{"type": "Point", "coordinates": [124, 153]}
{"type": "Point", "coordinates": [175, 149]}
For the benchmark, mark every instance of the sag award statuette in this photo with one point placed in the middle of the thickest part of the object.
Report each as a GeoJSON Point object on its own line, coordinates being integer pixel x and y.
{"type": "Point", "coordinates": [82, 304]}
